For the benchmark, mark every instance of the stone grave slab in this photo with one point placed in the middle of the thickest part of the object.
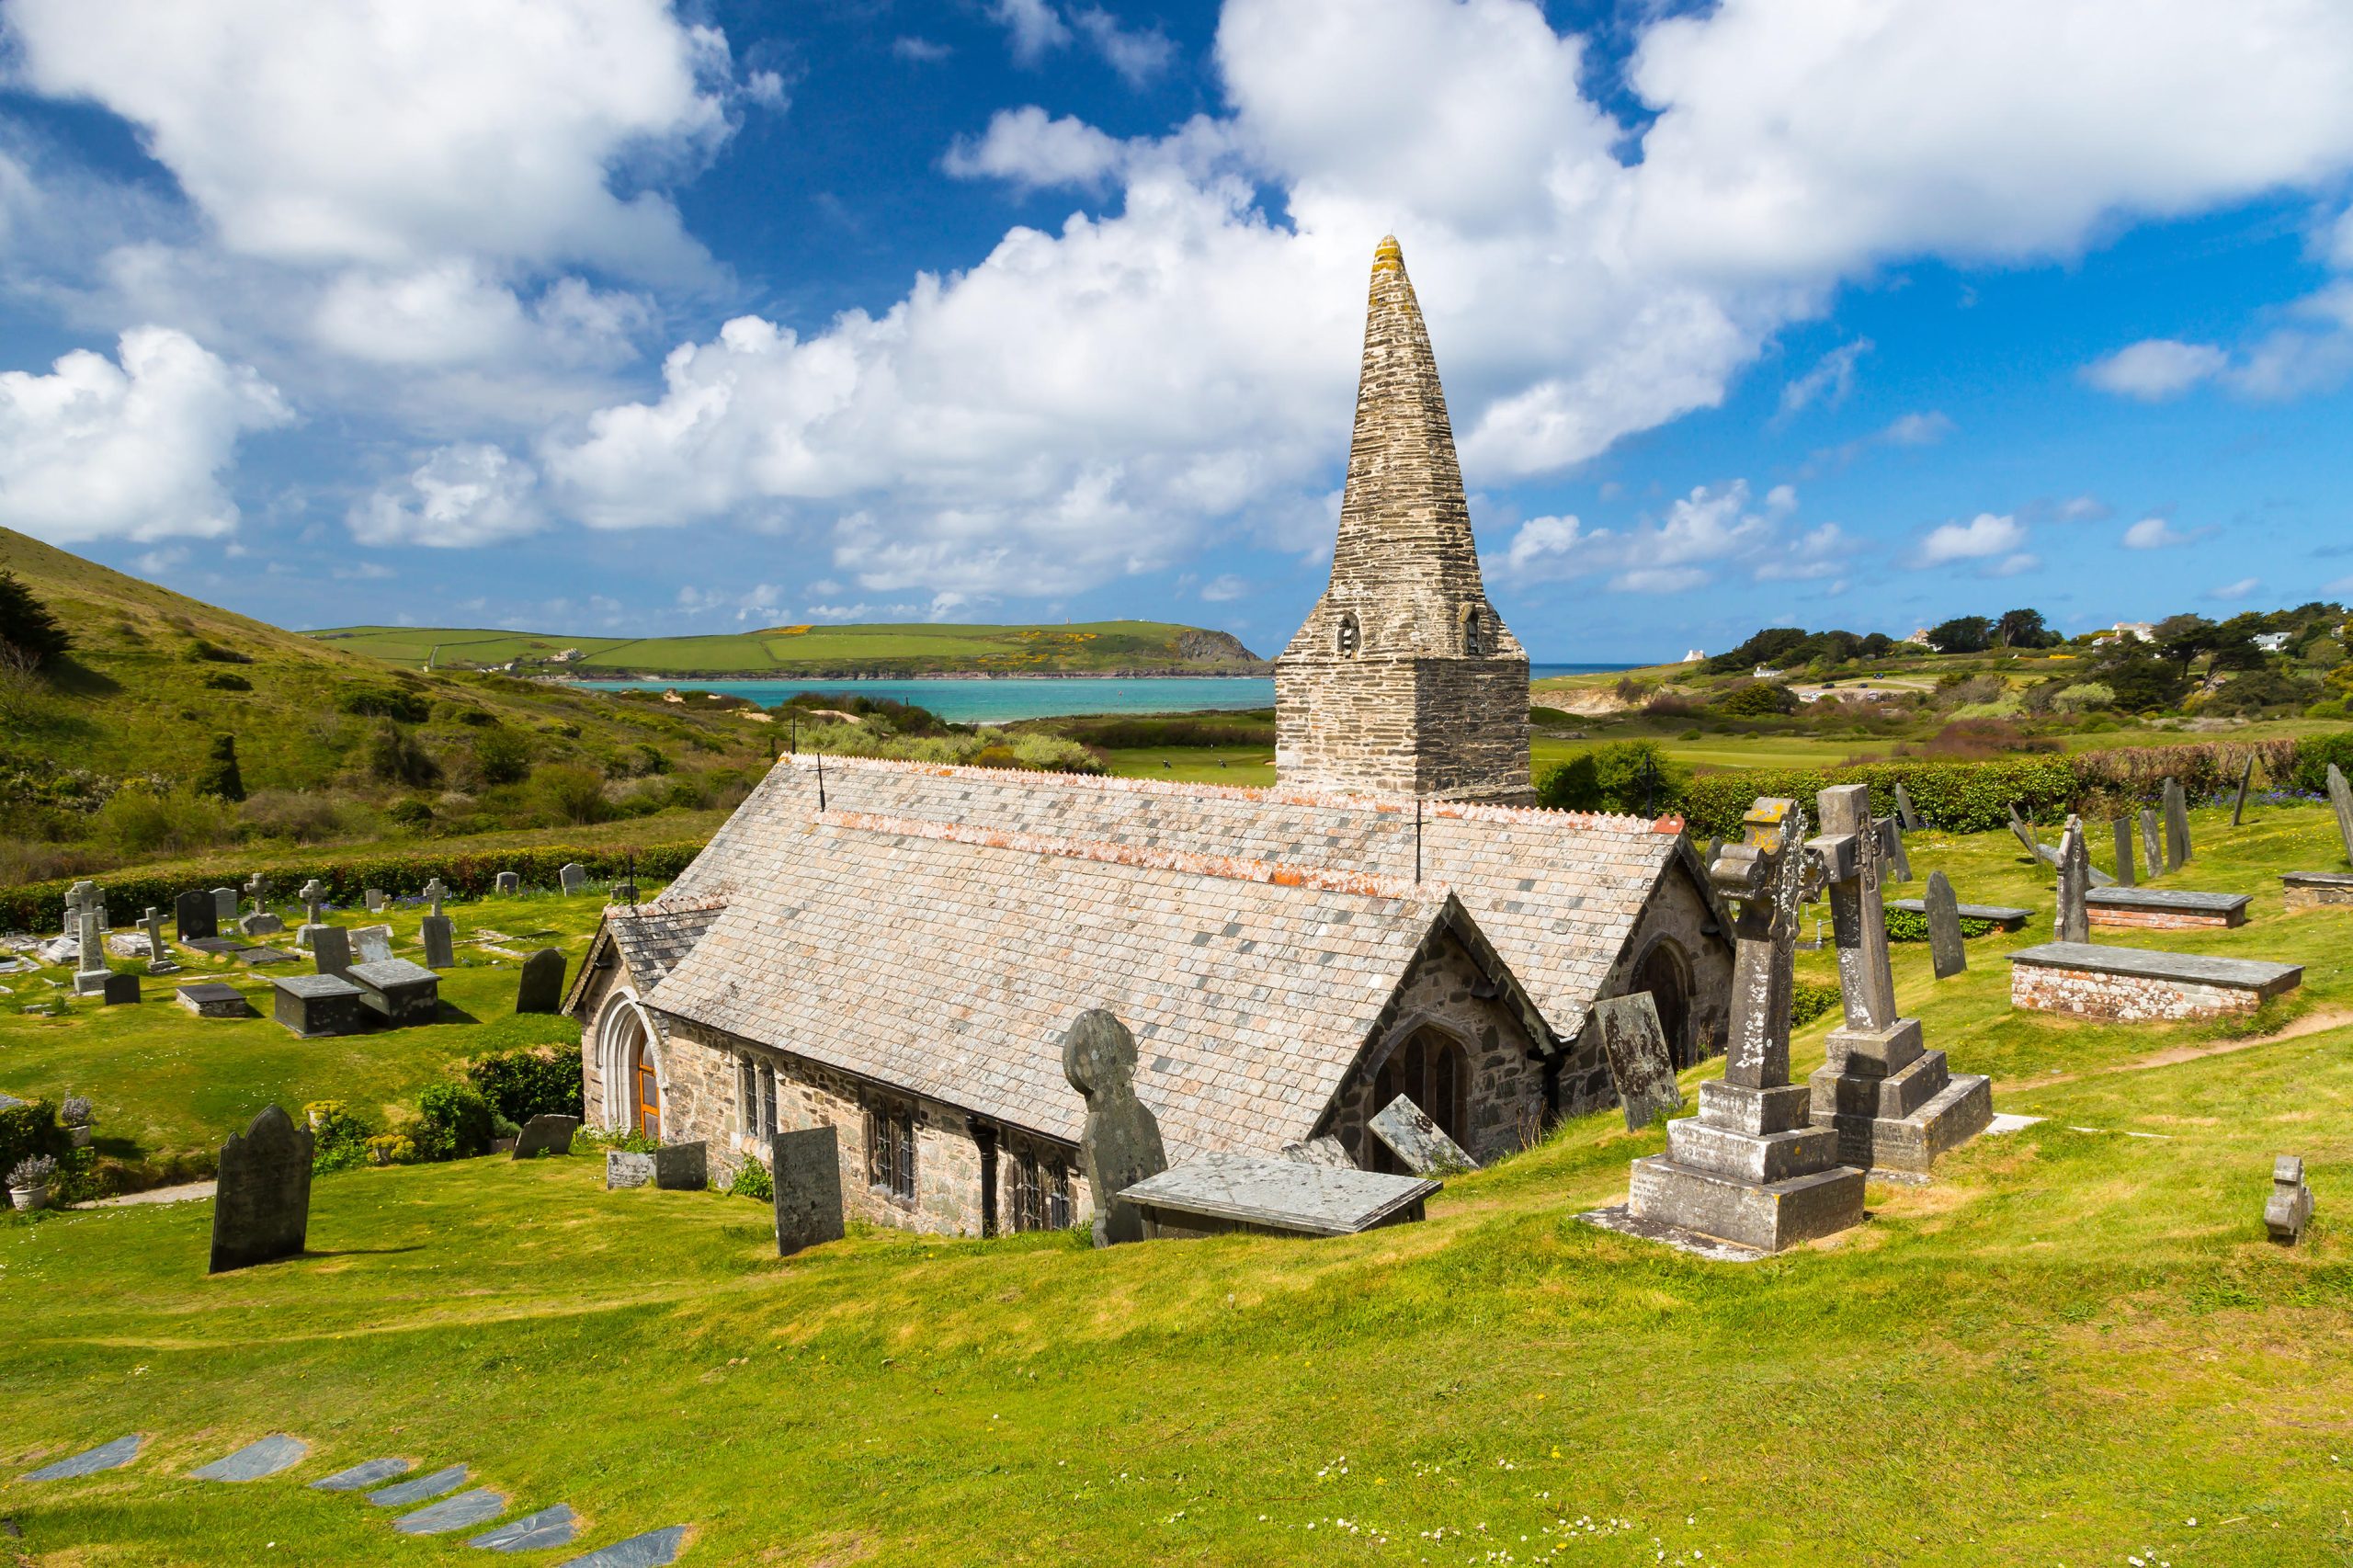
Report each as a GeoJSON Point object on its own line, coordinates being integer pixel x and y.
{"type": "Point", "coordinates": [2289, 1208]}
{"type": "Point", "coordinates": [2002, 915]}
{"type": "Point", "coordinates": [575, 877]}
{"type": "Point", "coordinates": [2246, 779]}
{"type": "Point", "coordinates": [1420, 1144]}
{"type": "Point", "coordinates": [1621, 1219]}
{"type": "Point", "coordinates": [652, 1549]}
{"type": "Point", "coordinates": [1947, 948]}
{"type": "Point", "coordinates": [1324, 1151]}
{"type": "Point", "coordinates": [262, 958]}
{"type": "Point", "coordinates": [1641, 1067]}
{"type": "Point", "coordinates": [1905, 817]}
{"type": "Point", "coordinates": [2317, 890]}
{"type": "Point", "coordinates": [532, 1532]}
{"type": "Point", "coordinates": [331, 950]}
{"type": "Point", "coordinates": [105, 1456]}
{"type": "Point", "coordinates": [1119, 1144]}
{"type": "Point", "coordinates": [673, 1168]}
{"type": "Point", "coordinates": [192, 916]}
{"type": "Point", "coordinates": [2165, 909]}
{"type": "Point", "coordinates": [546, 1133]}
{"type": "Point", "coordinates": [398, 992]}
{"type": "Point", "coordinates": [263, 1457]}
{"type": "Point", "coordinates": [478, 1506]}
{"type": "Point", "coordinates": [317, 1006]}
{"type": "Point", "coordinates": [440, 942]}
{"type": "Point", "coordinates": [261, 1202]}
{"type": "Point", "coordinates": [215, 946]}
{"type": "Point", "coordinates": [2137, 985]}
{"type": "Point", "coordinates": [361, 1476]}
{"type": "Point", "coordinates": [372, 943]}
{"type": "Point", "coordinates": [116, 990]}
{"type": "Point", "coordinates": [213, 1000]}
{"type": "Point", "coordinates": [509, 883]}
{"type": "Point", "coordinates": [1219, 1192]}
{"type": "Point", "coordinates": [805, 1169]}
{"type": "Point", "coordinates": [401, 1495]}
{"type": "Point", "coordinates": [539, 988]}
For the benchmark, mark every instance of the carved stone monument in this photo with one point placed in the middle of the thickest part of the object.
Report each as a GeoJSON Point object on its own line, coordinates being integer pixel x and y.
{"type": "Point", "coordinates": [159, 952]}
{"type": "Point", "coordinates": [1420, 1144]}
{"type": "Point", "coordinates": [2126, 875]}
{"type": "Point", "coordinates": [1640, 1066]}
{"type": "Point", "coordinates": [805, 1169]}
{"type": "Point", "coordinates": [314, 897]}
{"type": "Point", "coordinates": [1750, 1169]}
{"type": "Point", "coordinates": [1947, 948]}
{"type": "Point", "coordinates": [1892, 1103]}
{"type": "Point", "coordinates": [435, 933]}
{"type": "Point", "coordinates": [1120, 1144]}
{"type": "Point", "coordinates": [2073, 921]}
{"type": "Point", "coordinates": [261, 922]}
{"type": "Point", "coordinates": [262, 1208]}
{"type": "Point", "coordinates": [539, 988]}
{"type": "Point", "coordinates": [192, 915]}
{"type": "Point", "coordinates": [90, 972]}
{"type": "Point", "coordinates": [2177, 826]}
{"type": "Point", "coordinates": [2289, 1208]}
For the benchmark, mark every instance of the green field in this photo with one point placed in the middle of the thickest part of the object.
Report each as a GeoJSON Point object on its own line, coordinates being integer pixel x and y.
{"type": "Point", "coordinates": [2075, 1347]}
{"type": "Point", "coordinates": [808, 649]}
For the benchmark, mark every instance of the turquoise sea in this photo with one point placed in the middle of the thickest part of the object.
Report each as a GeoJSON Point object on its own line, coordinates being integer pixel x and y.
{"type": "Point", "coordinates": [997, 700]}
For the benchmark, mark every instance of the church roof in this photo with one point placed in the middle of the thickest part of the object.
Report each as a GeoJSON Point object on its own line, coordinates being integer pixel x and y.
{"type": "Point", "coordinates": [648, 939]}
{"type": "Point", "coordinates": [938, 928]}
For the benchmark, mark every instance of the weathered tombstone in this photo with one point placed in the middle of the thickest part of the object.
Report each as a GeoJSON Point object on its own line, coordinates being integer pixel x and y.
{"type": "Point", "coordinates": [70, 926]}
{"type": "Point", "coordinates": [2246, 776]}
{"type": "Point", "coordinates": [225, 907]}
{"type": "Point", "coordinates": [372, 943]}
{"type": "Point", "coordinates": [539, 988]}
{"type": "Point", "coordinates": [398, 992]}
{"type": "Point", "coordinates": [2177, 826]}
{"type": "Point", "coordinates": [1420, 1144]}
{"type": "Point", "coordinates": [1640, 1066]}
{"type": "Point", "coordinates": [509, 883]}
{"type": "Point", "coordinates": [192, 914]}
{"type": "Point", "coordinates": [159, 953]}
{"type": "Point", "coordinates": [1712, 1183]}
{"type": "Point", "coordinates": [119, 989]}
{"type": "Point", "coordinates": [1890, 843]}
{"type": "Point", "coordinates": [2073, 921]}
{"type": "Point", "coordinates": [90, 973]}
{"type": "Point", "coordinates": [2289, 1208]}
{"type": "Point", "coordinates": [331, 950]}
{"type": "Point", "coordinates": [2340, 796]}
{"type": "Point", "coordinates": [574, 876]}
{"type": "Point", "coordinates": [546, 1133]}
{"type": "Point", "coordinates": [1905, 816]}
{"type": "Point", "coordinates": [375, 900]}
{"type": "Point", "coordinates": [675, 1168]}
{"type": "Point", "coordinates": [317, 1006]}
{"type": "Point", "coordinates": [2126, 875]}
{"type": "Point", "coordinates": [1324, 1150]}
{"type": "Point", "coordinates": [261, 923]}
{"type": "Point", "coordinates": [1222, 1192]}
{"type": "Point", "coordinates": [261, 1208]}
{"type": "Point", "coordinates": [314, 896]}
{"type": "Point", "coordinates": [1120, 1144]}
{"type": "Point", "coordinates": [2152, 853]}
{"type": "Point", "coordinates": [2024, 832]}
{"type": "Point", "coordinates": [805, 1169]}
{"type": "Point", "coordinates": [1947, 949]}
{"type": "Point", "coordinates": [211, 999]}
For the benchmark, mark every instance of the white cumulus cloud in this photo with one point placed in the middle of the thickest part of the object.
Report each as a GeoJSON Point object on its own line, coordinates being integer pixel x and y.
{"type": "Point", "coordinates": [460, 496]}
{"type": "Point", "coordinates": [2157, 368]}
{"type": "Point", "coordinates": [2152, 533]}
{"type": "Point", "coordinates": [1981, 538]}
{"type": "Point", "coordinates": [1702, 533]}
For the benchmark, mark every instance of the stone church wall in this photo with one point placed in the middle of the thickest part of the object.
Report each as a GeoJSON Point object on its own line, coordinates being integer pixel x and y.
{"type": "Point", "coordinates": [1455, 728]}
{"type": "Point", "coordinates": [1679, 913]}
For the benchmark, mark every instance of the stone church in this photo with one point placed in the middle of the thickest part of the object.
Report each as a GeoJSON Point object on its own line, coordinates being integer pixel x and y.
{"type": "Point", "coordinates": [895, 948]}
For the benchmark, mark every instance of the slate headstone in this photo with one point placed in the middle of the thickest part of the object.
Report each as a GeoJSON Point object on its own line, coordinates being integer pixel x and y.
{"type": "Point", "coordinates": [263, 1456]}
{"type": "Point", "coordinates": [546, 1133]}
{"type": "Point", "coordinates": [2153, 851]}
{"type": "Point", "coordinates": [261, 1206]}
{"type": "Point", "coordinates": [1947, 949]}
{"type": "Point", "coordinates": [225, 907]}
{"type": "Point", "coordinates": [2073, 921]}
{"type": "Point", "coordinates": [192, 912]}
{"type": "Point", "coordinates": [361, 1476]}
{"type": "Point", "coordinates": [2289, 1208]}
{"type": "Point", "coordinates": [117, 989]}
{"type": "Point", "coordinates": [2340, 797]}
{"type": "Point", "coordinates": [673, 1167]}
{"type": "Point", "coordinates": [2126, 875]}
{"type": "Point", "coordinates": [1324, 1150]}
{"type": "Point", "coordinates": [1420, 1144]}
{"type": "Point", "coordinates": [105, 1456]}
{"type": "Point", "coordinates": [2246, 776]}
{"type": "Point", "coordinates": [2176, 826]}
{"type": "Point", "coordinates": [1120, 1144]}
{"type": "Point", "coordinates": [805, 1169]}
{"type": "Point", "coordinates": [509, 883]}
{"type": "Point", "coordinates": [331, 950]}
{"type": "Point", "coordinates": [2024, 833]}
{"type": "Point", "coordinates": [574, 876]}
{"type": "Point", "coordinates": [532, 1532]}
{"type": "Point", "coordinates": [1905, 816]}
{"type": "Point", "coordinates": [540, 987]}
{"type": "Point", "coordinates": [375, 899]}
{"type": "Point", "coordinates": [372, 943]}
{"type": "Point", "coordinates": [1640, 1066]}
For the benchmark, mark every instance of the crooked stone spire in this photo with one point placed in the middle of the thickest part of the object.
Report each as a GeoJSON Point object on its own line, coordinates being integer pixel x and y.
{"type": "Point", "coordinates": [1402, 680]}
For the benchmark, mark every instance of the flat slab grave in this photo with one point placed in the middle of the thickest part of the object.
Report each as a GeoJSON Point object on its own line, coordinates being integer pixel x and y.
{"type": "Point", "coordinates": [2136, 984]}
{"type": "Point", "coordinates": [1215, 1193]}
{"type": "Point", "coordinates": [317, 1006]}
{"type": "Point", "coordinates": [361, 1476]}
{"type": "Point", "coordinates": [2316, 890]}
{"type": "Point", "coordinates": [263, 1456]}
{"type": "Point", "coordinates": [478, 1506]}
{"type": "Point", "coordinates": [262, 958]}
{"type": "Point", "coordinates": [2165, 909]}
{"type": "Point", "coordinates": [213, 1000]}
{"type": "Point", "coordinates": [105, 1456]}
{"type": "Point", "coordinates": [397, 991]}
{"type": "Point", "coordinates": [2001, 916]}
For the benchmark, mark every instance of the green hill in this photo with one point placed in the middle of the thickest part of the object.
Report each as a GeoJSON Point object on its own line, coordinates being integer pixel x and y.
{"type": "Point", "coordinates": [1094, 647]}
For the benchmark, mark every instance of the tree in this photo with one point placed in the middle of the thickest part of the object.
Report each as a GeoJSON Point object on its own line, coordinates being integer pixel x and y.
{"type": "Point", "coordinates": [1766, 646]}
{"type": "Point", "coordinates": [1624, 775]}
{"type": "Point", "coordinates": [220, 776]}
{"type": "Point", "coordinates": [2182, 638]}
{"type": "Point", "coordinates": [1963, 634]}
{"type": "Point", "coordinates": [2233, 642]}
{"type": "Point", "coordinates": [395, 757]}
{"type": "Point", "coordinates": [1756, 699]}
{"type": "Point", "coordinates": [502, 756]}
{"type": "Point", "coordinates": [25, 624]}
{"type": "Point", "coordinates": [2143, 682]}
{"type": "Point", "coordinates": [1876, 644]}
{"type": "Point", "coordinates": [2024, 628]}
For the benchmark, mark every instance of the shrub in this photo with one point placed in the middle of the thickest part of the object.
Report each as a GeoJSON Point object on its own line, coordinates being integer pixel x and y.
{"type": "Point", "coordinates": [410, 813]}
{"type": "Point", "coordinates": [1809, 1000]}
{"type": "Point", "coordinates": [339, 1140]}
{"type": "Point", "coordinates": [2307, 768]}
{"type": "Point", "coordinates": [454, 1122]}
{"type": "Point", "coordinates": [31, 1131]}
{"type": "Point", "coordinates": [199, 652]}
{"type": "Point", "coordinates": [571, 792]}
{"type": "Point", "coordinates": [754, 1181]}
{"type": "Point", "coordinates": [303, 816]}
{"type": "Point", "coordinates": [392, 1149]}
{"type": "Point", "coordinates": [25, 624]}
{"type": "Point", "coordinates": [220, 776]}
{"type": "Point", "coordinates": [521, 1083]}
{"type": "Point", "coordinates": [138, 822]}
{"type": "Point", "coordinates": [1903, 925]}
{"type": "Point", "coordinates": [396, 757]}
{"type": "Point", "coordinates": [1624, 775]}
{"type": "Point", "coordinates": [502, 757]}
{"type": "Point", "coordinates": [227, 680]}
{"type": "Point", "coordinates": [2262, 691]}
{"type": "Point", "coordinates": [1758, 699]}
{"type": "Point", "coordinates": [2087, 697]}
{"type": "Point", "coordinates": [384, 702]}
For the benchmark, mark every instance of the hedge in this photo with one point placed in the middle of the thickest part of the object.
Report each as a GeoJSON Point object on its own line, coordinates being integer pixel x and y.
{"type": "Point", "coordinates": [40, 907]}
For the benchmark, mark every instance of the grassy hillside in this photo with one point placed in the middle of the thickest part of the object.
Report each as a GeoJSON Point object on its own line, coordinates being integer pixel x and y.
{"type": "Point", "coordinates": [814, 651]}
{"type": "Point", "coordinates": [2075, 1347]}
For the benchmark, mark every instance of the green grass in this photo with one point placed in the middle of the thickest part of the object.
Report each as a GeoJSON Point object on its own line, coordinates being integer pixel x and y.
{"type": "Point", "coordinates": [2066, 1348]}
{"type": "Point", "coordinates": [808, 649]}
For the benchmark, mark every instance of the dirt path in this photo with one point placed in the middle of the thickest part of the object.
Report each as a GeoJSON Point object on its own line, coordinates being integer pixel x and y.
{"type": "Point", "coordinates": [186, 1192]}
{"type": "Point", "coordinates": [2172, 1055]}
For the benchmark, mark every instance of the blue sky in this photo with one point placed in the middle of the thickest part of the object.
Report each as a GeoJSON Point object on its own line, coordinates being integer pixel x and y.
{"type": "Point", "coordinates": [619, 316]}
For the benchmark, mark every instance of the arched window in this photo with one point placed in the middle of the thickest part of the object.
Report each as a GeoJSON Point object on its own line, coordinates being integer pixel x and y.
{"type": "Point", "coordinates": [1349, 637]}
{"type": "Point", "coordinates": [1475, 630]}
{"type": "Point", "coordinates": [1663, 973]}
{"type": "Point", "coordinates": [1430, 1068]}
{"type": "Point", "coordinates": [629, 1058]}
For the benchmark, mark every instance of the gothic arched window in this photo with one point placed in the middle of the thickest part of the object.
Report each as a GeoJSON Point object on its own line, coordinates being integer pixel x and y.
{"type": "Point", "coordinates": [1349, 638]}
{"type": "Point", "coordinates": [1475, 630]}
{"type": "Point", "coordinates": [1430, 1068]}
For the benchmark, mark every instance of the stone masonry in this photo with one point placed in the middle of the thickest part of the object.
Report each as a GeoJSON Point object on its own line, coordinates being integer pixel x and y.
{"type": "Point", "coordinates": [1404, 680]}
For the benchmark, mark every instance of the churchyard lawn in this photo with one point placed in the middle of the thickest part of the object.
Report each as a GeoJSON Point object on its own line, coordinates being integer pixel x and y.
{"type": "Point", "coordinates": [2076, 1347]}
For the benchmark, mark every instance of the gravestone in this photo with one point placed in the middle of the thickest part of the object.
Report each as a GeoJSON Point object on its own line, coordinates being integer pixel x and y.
{"type": "Point", "coordinates": [574, 876]}
{"type": "Point", "coordinates": [2152, 853]}
{"type": "Point", "coordinates": [1120, 1144]}
{"type": "Point", "coordinates": [2246, 776]}
{"type": "Point", "coordinates": [1324, 1150]}
{"type": "Point", "coordinates": [331, 950]}
{"type": "Point", "coordinates": [1890, 840]}
{"type": "Point", "coordinates": [213, 1000]}
{"type": "Point", "coordinates": [1892, 1103]}
{"type": "Point", "coordinates": [1641, 1067]}
{"type": "Point", "coordinates": [540, 987]}
{"type": "Point", "coordinates": [2340, 796]}
{"type": "Point", "coordinates": [2125, 873]}
{"type": "Point", "coordinates": [361, 1476]}
{"type": "Point", "coordinates": [2024, 833]}
{"type": "Point", "coordinates": [317, 1006]}
{"type": "Point", "coordinates": [2073, 921]}
{"type": "Point", "coordinates": [546, 1133]}
{"type": "Point", "coordinates": [1908, 818]}
{"type": "Point", "coordinates": [509, 883]}
{"type": "Point", "coordinates": [119, 989]}
{"type": "Point", "coordinates": [805, 1169]}
{"type": "Point", "coordinates": [314, 897]}
{"type": "Point", "coordinates": [398, 992]}
{"type": "Point", "coordinates": [261, 1207]}
{"type": "Point", "coordinates": [675, 1168]}
{"type": "Point", "coordinates": [375, 900]}
{"type": "Point", "coordinates": [90, 975]}
{"type": "Point", "coordinates": [261, 923]}
{"type": "Point", "coordinates": [159, 954]}
{"type": "Point", "coordinates": [1947, 949]}
{"type": "Point", "coordinates": [373, 943]}
{"type": "Point", "coordinates": [1420, 1144]}
{"type": "Point", "coordinates": [1225, 1191]}
{"type": "Point", "coordinates": [262, 1457]}
{"type": "Point", "coordinates": [225, 907]}
{"type": "Point", "coordinates": [2177, 826]}
{"type": "Point", "coordinates": [439, 942]}
{"type": "Point", "coordinates": [192, 914]}
{"type": "Point", "coordinates": [2289, 1208]}
{"type": "Point", "coordinates": [1750, 1170]}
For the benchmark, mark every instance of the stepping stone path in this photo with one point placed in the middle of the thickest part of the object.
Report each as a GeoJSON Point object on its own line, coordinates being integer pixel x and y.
{"type": "Point", "coordinates": [650, 1550]}
{"type": "Point", "coordinates": [423, 1487]}
{"type": "Point", "coordinates": [361, 1476]}
{"type": "Point", "coordinates": [105, 1456]}
{"type": "Point", "coordinates": [257, 1459]}
{"type": "Point", "coordinates": [478, 1506]}
{"type": "Point", "coordinates": [532, 1532]}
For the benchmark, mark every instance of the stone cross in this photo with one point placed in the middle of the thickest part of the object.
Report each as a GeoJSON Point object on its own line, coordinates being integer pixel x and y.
{"type": "Point", "coordinates": [159, 957]}
{"type": "Point", "coordinates": [1947, 949]}
{"type": "Point", "coordinates": [256, 886]}
{"type": "Point", "coordinates": [313, 894]}
{"type": "Point", "coordinates": [1849, 851]}
{"type": "Point", "coordinates": [2073, 921]}
{"type": "Point", "coordinates": [2289, 1208]}
{"type": "Point", "coordinates": [2153, 854]}
{"type": "Point", "coordinates": [73, 921]}
{"type": "Point", "coordinates": [2340, 795]}
{"type": "Point", "coordinates": [437, 892]}
{"type": "Point", "coordinates": [2246, 776]}
{"type": "Point", "coordinates": [2125, 873]}
{"type": "Point", "coordinates": [1763, 878]}
{"type": "Point", "coordinates": [92, 947]}
{"type": "Point", "coordinates": [1119, 1145]}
